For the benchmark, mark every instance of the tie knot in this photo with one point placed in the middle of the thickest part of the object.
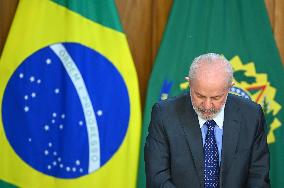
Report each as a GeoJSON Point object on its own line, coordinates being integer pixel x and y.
{"type": "Point", "coordinates": [210, 124]}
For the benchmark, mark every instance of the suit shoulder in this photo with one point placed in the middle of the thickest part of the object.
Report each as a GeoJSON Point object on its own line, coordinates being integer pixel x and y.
{"type": "Point", "coordinates": [172, 102]}
{"type": "Point", "coordinates": [243, 103]}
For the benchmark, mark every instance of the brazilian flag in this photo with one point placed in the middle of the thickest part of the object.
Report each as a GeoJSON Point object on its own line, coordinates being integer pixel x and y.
{"type": "Point", "coordinates": [70, 108]}
{"type": "Point", "coordinates": [240, 30]}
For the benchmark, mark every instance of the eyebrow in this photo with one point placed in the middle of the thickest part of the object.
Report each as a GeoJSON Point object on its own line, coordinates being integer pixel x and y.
{"type": "Point", "coordinates": [210, 97]}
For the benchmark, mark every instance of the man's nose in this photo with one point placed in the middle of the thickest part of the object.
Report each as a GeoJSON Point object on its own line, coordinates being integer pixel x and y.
{"type": "Point", "coordinates": [207, 103]}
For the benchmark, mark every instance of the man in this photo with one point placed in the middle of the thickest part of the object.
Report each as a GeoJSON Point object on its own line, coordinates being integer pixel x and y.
{"type": "Point", "coordinates": [207, 138]}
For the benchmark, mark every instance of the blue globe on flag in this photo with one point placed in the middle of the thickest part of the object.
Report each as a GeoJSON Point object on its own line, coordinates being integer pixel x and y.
{"type": "Point", "coordinates": [66, 110]}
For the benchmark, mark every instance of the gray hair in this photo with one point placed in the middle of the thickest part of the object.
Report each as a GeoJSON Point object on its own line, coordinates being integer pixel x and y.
{"type": "Point", "coordinates": [209, 59]}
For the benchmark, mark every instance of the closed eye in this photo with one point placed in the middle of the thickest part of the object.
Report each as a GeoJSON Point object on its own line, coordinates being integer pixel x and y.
{"type": "Point", "coordinates": [200, 96]}
{"type": "Point", "coordinates": [216, 98]}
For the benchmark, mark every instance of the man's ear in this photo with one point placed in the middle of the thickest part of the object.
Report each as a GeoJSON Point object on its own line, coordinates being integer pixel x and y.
{"type": "Point", "coordinates": [232, 84]}
{"type": "Point", "coordinates": [186, 78]}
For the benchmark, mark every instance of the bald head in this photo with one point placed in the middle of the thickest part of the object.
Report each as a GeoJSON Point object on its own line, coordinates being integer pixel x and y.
{"type": "Point", "coordinates": [211, 67]}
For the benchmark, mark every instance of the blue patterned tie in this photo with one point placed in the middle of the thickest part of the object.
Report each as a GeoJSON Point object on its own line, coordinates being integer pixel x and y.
{"type": "Point", "coordinates": [211, 157]}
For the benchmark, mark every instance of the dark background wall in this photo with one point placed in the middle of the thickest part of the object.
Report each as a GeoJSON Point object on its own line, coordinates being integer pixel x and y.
{"type": "Point", "coordinates": [144, 22]}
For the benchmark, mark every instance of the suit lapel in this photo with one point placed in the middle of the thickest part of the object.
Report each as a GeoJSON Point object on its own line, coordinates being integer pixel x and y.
{"type": "Point", "coordinates": [190, 124]}
{"type": "Point", "coordinates": [231, 131]}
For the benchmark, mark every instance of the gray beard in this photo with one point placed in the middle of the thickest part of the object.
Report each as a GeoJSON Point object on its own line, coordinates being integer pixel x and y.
{"type": "Point", "coordinates": [199, 111]}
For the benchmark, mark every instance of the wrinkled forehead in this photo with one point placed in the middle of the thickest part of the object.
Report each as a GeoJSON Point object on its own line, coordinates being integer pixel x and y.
{"type": "Point", "coordinates": [214, 70]}
{"type": "Point", "coordinates": [210, 79]}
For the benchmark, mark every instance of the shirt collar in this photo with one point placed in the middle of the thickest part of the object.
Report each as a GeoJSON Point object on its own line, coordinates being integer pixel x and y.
{"type": "Point", "coordinates": [219, 119]}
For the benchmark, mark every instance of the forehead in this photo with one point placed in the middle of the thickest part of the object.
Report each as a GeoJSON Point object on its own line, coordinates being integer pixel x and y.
{"type": "Point", "coordinates": [214, 69]}
{"type": "Point", "coordinates": [210, 79]}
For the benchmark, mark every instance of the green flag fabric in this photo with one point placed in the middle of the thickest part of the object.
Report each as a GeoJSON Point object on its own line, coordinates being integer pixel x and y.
{"type": "Point", "coordinates": [240, 30]}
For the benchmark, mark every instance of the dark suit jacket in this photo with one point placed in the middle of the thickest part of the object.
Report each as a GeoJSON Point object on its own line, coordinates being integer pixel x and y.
{"type": "Point", "coordinates": [174, 149]}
